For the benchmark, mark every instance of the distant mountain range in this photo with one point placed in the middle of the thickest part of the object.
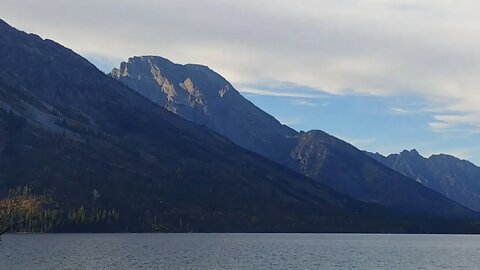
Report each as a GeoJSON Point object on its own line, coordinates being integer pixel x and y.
{"type": "Point", "coordinates": [457, 179]}
{"type": "Point", "coordinates": [84, 152]}
{"type": "Point", "coordinates": [199, 94]}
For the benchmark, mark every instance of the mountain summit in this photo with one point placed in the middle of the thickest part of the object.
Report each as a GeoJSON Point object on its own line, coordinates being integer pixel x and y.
{"type": "Point", "coordinates": [457, 179]}
{"type": "Point", "coordinates": [201, 95]}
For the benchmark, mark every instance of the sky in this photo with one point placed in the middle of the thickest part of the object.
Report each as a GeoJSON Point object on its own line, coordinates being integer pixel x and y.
{"type": "Point", "coordinates": [384, 75]}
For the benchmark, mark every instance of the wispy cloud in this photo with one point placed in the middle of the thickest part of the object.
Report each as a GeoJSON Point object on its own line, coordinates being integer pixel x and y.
{"type": "Point", "coordinates": [439, 126]}
{"type": "Point", "coordinates": [407, 111]}
{"type": "Point", "coordinates": [304, 103]}
{"type": "Point", "coordinates": [469, 123]}
{"type": "Point", "coordinates": [400, 111]}
{"type": "Point", "coordinates": [263, 92]}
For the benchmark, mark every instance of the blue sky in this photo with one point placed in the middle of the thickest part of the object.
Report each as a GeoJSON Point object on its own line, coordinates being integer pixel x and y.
{"type": "Point", "coordinates": [374, 123]}
{"type": "Point", "coordinates": [385, 75]}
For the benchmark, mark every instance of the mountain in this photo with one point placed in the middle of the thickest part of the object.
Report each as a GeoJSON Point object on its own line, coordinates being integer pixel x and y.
{"type": "Point", "coordinates": [82, 152]}
{"type": "Point", "coordinates": [199, 94]}
{"type": "Point", "coordinates": [457, 179]}
{"type": "Point", "coordinates": [345, 168]}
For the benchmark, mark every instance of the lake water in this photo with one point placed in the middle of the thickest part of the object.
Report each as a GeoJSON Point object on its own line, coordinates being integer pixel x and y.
{"type": "Point", "coordinates": [239, 251]}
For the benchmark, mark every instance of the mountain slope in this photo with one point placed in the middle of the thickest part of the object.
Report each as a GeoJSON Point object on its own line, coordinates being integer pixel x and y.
{"type": "Point", "coordinates": [201, 95]}
{"type": "Point", "coordinates": [114, 161]}
{"type": "Point", "coordinates": [457, 179]}
{"type": "Point", "coordinates": [322, 156]}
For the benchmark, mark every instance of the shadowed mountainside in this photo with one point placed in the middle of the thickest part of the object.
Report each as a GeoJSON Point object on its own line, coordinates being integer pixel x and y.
{"type": "Point", "coordinates": [457, 179]}
{"type": "Point", "coordinates": [115, 161]}
{"type": "Point", "coordinates": [199, 94]}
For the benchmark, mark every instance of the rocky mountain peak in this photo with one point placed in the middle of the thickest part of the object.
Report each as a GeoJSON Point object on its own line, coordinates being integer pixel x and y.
{"type": "Point", "coordinates": [412, 152]}
{"type": "Point", "coordinates": [455, 178]}
{"type": "Point", "coordinates": [120, 72]}
{"type": "Point", "coordinates": [201, 95]}
{"type": "Point", "coordinates": [206, 98]}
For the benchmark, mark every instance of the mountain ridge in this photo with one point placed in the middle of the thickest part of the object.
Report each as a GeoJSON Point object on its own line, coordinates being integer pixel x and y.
{"type": "Point", "coordinates": [118, 162]}
{"type": "Point", "coordinates": [457, 179]}
{"type": "Point", "coordinates": [179, 86]}
{"type": "Point", "coordinates": [316, 154]}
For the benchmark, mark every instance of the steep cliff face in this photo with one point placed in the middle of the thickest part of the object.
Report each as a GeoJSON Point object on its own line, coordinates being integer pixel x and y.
{"type": "Point", "coordinates": [199, 94]}
{"type": "Point", "coordinates": [457, 179]}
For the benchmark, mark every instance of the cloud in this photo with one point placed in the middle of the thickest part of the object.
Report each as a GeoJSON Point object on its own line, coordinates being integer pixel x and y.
{"type": "Point", "coordinates": [304, 103]}
{"type": "Point", "coordinates": [274, 88]}
{"type": "Point", "coordinates": [465, 123]}
{"type": "Point", "coordinates": [400, 111]}
{"type": "Point", "coordinates": [439, 126]}
{"type": "Point", "coordinates": [413, 109]}
{"type": "Point", "coordinates": [369, 47]}
{"type": "Point", "coordinates": [263, 92]}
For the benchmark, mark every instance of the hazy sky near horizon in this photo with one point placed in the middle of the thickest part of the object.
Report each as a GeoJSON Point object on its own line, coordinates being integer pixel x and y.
{"type": "Point", "coordinates": [385, 75]}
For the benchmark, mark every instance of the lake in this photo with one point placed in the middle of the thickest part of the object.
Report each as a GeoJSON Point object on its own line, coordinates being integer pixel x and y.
{"type": "Point", "coordinates": [239, 251]}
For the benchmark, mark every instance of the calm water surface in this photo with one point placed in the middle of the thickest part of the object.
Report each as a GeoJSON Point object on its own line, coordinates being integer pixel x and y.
{"type": "Point", "coordinates": [239, 251]}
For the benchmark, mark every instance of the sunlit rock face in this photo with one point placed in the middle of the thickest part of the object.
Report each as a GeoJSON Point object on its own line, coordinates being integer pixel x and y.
{"type": "Point", "coordinates": [201, 95]}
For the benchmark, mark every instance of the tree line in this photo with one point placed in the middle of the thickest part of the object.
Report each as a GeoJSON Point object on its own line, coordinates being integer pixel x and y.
{"type": "Point", "coordinates": [24, 211]}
